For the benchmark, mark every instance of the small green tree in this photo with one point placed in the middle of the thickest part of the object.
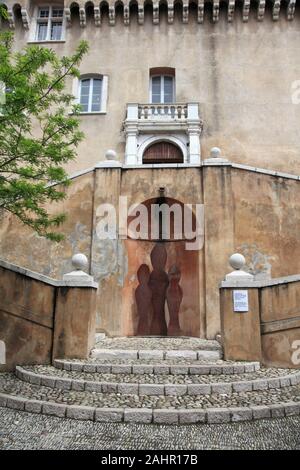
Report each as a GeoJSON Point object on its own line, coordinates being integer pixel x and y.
{"type": "Point", "coordinates": [38, 134]}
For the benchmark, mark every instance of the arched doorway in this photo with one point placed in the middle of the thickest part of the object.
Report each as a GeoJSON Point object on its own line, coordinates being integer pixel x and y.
{"type": "Point", "coordinates": [161, 294]}
{"type": "Point", "coordinates": [163, 152]}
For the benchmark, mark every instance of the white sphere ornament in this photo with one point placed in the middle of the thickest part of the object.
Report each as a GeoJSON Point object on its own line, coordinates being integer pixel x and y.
{"type": "Point", "coordinates": [237, 261]}
{"type": "Point", "coordinates": [79, 261]}
{"type": "Point", "coordinates": [215, 152]}
{"type": "Point", "coordinates": [110, 155]}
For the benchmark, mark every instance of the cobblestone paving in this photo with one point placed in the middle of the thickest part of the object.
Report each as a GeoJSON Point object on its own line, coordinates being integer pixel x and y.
{"type": "Point", "coordinates": [263, 373]}
{"type": "Point", "coordinates": [20, 430]}
{"type": "Point", "coordinates": [11, 385]}
{"type": "Point", "coordinates": [158, 343]}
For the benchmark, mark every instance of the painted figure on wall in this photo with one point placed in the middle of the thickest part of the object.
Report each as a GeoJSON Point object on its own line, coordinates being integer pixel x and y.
{"type": "Point", "coordinates": [143, 297]}
{"type": "Point", "coordinates": [174, 299]}
{"type": "Point", "coordinates": [158, 284]}
{"type": "Point", "coordinates": [152, 293]}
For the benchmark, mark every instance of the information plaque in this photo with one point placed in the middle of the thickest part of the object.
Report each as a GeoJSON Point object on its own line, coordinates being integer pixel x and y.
{"type": "Point", "coordinates": [240, 301]}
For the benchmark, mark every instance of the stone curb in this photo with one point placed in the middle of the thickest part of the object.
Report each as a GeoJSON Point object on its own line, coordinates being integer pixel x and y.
{"type": "Point", "coordinates": [201, 369]}
{"type": "Point", "coordinates": [128, 388]}
{"type": "Point", "coordinates": [149, 415]}
{"type": "Point", "coordinates": [201, 354]}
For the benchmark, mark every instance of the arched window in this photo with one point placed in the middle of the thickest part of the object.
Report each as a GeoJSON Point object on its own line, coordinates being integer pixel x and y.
{"type": "Point", "coordinates": [163, 152]}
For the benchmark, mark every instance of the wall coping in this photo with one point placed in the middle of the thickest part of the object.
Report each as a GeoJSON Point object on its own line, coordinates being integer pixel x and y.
{"type": "Point", "coordinates": [260, 284]}
{"type": "Point", "coordinates": [48, 280]}
{"type": "Point", "coordinates": [205, 163]}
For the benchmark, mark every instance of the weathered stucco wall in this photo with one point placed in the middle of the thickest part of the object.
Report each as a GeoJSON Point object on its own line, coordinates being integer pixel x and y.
{"type": "Point", "coordinates": [269, 330]}
{"type": "Point", "coordinates": [20, 245]}
{"type": "Point", "coordinates": [267, 222]}
{"type": "Point", "coordinates": [240, 73]}
{"type": "Point", "coordinates": [26, 319]}
{"type": "Point", "coordinates": [246, 211]}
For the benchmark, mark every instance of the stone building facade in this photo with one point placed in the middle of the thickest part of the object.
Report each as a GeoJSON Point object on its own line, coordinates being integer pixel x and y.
{"type": "Point", "coordinates": [162, 84]}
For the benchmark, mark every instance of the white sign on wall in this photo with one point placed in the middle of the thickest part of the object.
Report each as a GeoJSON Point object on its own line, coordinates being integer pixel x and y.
{"type": "Point", "coordinates": [2, 353]}
{"type": "Point", "coordinates": [240, 301]}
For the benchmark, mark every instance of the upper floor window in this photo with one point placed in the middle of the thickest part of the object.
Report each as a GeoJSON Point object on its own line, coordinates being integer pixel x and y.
{"type": "Point", "coordinates": [162, 89]}
{"type": "Point", "coordinates": [49, 23]}
{"type": "Point", "coordinates": [162, 85]}
{"type": "Point", "coordinates": [90, 95]}
{"type": "Point", "coordinates": [91, 92]}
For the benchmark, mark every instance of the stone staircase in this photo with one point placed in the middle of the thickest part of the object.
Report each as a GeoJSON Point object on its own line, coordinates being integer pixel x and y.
{"type": "Point", "coordinates": [154, 380]}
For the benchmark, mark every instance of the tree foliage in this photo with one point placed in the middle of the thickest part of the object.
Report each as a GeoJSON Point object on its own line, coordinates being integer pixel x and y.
{"type": "Point", "coordinates": [38, 133]}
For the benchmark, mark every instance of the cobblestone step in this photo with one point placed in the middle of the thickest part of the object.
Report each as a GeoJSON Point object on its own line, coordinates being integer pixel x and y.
{"type": "Point", "coordinates": [113, 407]}
{"type": "Point", "coordinates": [201, 354]}
{"type": "Point", "coordinates": [135, 384]}
{"type": "Point", "coordinates": [157, 366]}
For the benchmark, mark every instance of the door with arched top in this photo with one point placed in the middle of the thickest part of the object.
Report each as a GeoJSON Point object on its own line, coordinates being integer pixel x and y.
{"type": "Point", "coordinates": [163, 152]}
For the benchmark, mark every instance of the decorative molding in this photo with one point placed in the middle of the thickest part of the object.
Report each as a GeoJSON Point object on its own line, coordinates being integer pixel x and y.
{"type": "Point", "coordinates": [25, 18]}
{"type": "Point", "coordinates": [82, 17]}
{"type": "Point", "coordinates": [11, 18]}
{"type": "Point", "coordinates": [246, 10]}
{"type": "Point", "coordinates": [276, 10]}
{"type": "Point", "coordinates": [141, 14]}
{"type": "Point", "coordinates": [200, 11]}
{"type": "Point", "coordinates": [185, 12]}
{"type": "Point", "coordinates": [126, 15]}
{"type": "Point", "coordinates": [112, 15]}
{"type": "Point", "coordinates": [155, 12]}
{"type": "Point", "coordinates": [97, 16]}
{"type": "Point", "coordinates": [216, 10]}
{"type": "Point", "coordinates": [291, 10]}
{"type": "Point", "coordinates": [231, 8]}
{"type": "Point", "coordinates": [261, 10]}
{"type": "Point", "coordinates": [67, 13]}
{"type": "Point", "coordinates": [171, 12]}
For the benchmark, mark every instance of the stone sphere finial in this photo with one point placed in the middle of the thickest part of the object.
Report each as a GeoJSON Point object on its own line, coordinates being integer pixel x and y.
{"type": "Point", "coordinates": [237, 261]}
{"type": "Point", "coordinates": [79, 261]}
{"type": "Point", "coordinates": [110, 155]}
{"type": "Point", "coordinates": [215, 152]}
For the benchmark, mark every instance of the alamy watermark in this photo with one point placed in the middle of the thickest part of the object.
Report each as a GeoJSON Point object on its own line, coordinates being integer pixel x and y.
{"type": "Point", "coordinates": [2, 93]}
{"type": "Point", "coordinates": [2, 352]}
{"type": "Point", "coordinates": [296, 354]}
{"type": "Point", "coordinates": [295, 92]}
{"type": "Point", "coordinates": [155, 221]}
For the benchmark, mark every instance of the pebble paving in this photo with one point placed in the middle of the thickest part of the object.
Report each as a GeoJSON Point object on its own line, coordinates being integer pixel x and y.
{"type": "Point", "coordinates": [20, 431]}
{"type": "Point", "coordinates": [11, 385]}
{"type": "Point", "coordinates": [135, 342]}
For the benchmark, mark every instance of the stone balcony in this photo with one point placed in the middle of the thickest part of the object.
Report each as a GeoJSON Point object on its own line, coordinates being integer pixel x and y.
{"type": "Point", "coordinates": [178, 123]}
